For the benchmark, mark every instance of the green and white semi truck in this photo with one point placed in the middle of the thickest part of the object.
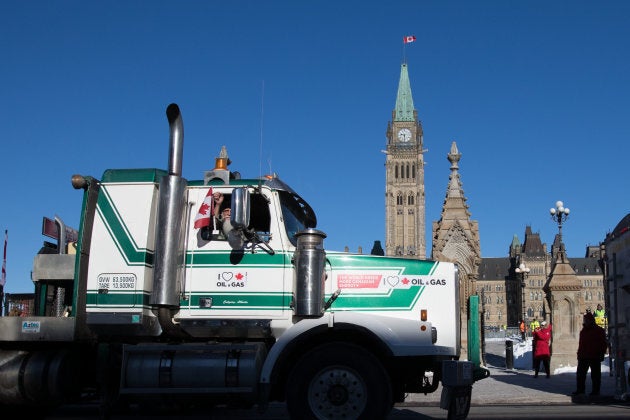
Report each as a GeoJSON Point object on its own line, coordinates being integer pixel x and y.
{"type": "Point", "coordinates": [162, 303]}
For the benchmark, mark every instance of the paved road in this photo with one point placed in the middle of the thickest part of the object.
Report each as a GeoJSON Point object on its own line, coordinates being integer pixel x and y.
{"type": "Point", "coordinates": [406, 411]}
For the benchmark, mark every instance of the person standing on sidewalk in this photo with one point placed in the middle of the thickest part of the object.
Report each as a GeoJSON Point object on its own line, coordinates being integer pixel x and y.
{"type": "Point", "coordinates": [542, 351]}
{"type": "Point", "coordinates": [591, 351]}
{"type": "Point", "coordinates": [523, 329]}
{"type": "Point", "coordinates": [600, 316]}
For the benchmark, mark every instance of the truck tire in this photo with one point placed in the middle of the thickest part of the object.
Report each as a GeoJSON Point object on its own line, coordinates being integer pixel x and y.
{"type": "Point", "coordinates": [459, 405]}
{"type": "Point", "coordinates": [338, 380]}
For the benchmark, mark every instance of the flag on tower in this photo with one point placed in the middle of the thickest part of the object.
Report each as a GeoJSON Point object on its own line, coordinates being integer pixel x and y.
{"type": "Point", "coordinates": [205, 212]}
{"type": "Point", "coordinates": [3, 281]}
{"type": "Point", "coordinates": [409, 38]}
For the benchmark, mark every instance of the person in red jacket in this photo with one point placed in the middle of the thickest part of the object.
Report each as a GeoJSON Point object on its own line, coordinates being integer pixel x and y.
{"type": "Point", "coordinates": [590, 354]}
{"type": "Point", "coordinates": [542, 351]}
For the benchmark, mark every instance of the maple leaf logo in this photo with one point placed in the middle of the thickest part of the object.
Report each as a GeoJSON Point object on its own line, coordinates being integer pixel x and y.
{"type": "Point", "coordinates": [239, 276]}
{"type": "Point", "coordinates": [405, 280]}
{"type": "Point", "coordinates": [204, 208]}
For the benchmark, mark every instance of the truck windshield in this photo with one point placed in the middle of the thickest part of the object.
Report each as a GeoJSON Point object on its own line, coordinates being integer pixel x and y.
{"type": "Point", "coordinates": [297, 214]}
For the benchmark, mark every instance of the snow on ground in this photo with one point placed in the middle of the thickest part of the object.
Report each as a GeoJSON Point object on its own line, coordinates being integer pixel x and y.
{"type": "Point", "coordinates": [522, 352]}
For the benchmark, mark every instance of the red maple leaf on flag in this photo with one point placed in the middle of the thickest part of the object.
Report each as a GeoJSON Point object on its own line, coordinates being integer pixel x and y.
{"type": "Point", "coordinates": [203, 215]}
{"type": "Point", "coordinates": [203, 209]}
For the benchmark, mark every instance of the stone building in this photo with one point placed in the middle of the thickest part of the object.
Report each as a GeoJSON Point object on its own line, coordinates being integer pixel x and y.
{"type": "Point", "coordinates": [507, 296]}
{"type": "Point", "coordinates": [456, 239]}
{"type": "Point", "coordinates": [404, 177]}
{"type": "Point", "coordinates": [455, 235]}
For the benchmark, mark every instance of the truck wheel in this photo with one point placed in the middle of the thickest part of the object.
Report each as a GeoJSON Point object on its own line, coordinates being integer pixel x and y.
{"type": "Point", "coordinates": [459, 405]}
{"type": "Point", "coordinates": [338, 381]}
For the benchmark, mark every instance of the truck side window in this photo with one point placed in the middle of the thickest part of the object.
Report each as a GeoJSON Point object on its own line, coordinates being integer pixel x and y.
{"type": "Point", "coordinates": [260, 218]}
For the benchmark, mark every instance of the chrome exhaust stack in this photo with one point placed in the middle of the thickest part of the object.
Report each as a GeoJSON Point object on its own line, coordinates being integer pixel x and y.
{"type": "Point", "coordinates": [169, 263]}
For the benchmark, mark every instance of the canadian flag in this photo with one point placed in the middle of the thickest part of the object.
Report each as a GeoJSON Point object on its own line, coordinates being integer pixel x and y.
{"type": "Point", "coordinates": [204, 215]}
{"type": "Point", "coordinates": [409, 38]}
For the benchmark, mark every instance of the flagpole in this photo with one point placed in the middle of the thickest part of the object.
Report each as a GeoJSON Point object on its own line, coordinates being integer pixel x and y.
{"type": "Point", "coordinates": [3, 280]}
{"type": "Point", "coordinates": [407, 39]}
{"type": "Point", "coordinates": [404, 50]}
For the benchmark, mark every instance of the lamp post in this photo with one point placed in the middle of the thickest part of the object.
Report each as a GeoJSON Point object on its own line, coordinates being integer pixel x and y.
{"type": "Point", "coordinates": [524, 272]}
{"type": "Point", "coordinates": [560, 214]}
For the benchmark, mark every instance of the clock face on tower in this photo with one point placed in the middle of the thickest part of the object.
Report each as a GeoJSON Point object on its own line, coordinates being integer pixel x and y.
{"type": "Point", "coordinates": [404, 135]}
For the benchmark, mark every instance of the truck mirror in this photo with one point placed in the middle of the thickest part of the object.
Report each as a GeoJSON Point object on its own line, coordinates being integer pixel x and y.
{"type": "Point", "coordinates": [240, 208]}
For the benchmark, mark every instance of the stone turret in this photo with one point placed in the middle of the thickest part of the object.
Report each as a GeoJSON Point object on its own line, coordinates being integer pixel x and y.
{"type": "Point", "coordinates": [456, 239]}
{"type": "Point", "coordinates": [562, 307]}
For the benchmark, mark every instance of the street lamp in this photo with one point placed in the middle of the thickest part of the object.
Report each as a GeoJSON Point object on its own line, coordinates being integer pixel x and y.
{"type": "Point", "coordinates": [559, 215]}
{"type": "Point", "coordinates": [524, 272]}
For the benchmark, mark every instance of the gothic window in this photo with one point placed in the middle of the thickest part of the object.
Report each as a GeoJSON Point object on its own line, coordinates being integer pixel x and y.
{"type": "Point", "coordinates": [407, 171]}
{"type": "Point", "coordinates": [410, 199]}
{"type": "Point", "coordinates": [396, 171]}
{"type": "Point", "coordinates": [500, 314]}
{"type": "Point", "coordinates": [410, 211]}
{"type": "Point", "coordinates": [399, 199]}
{"type": "Point", "coordinates": [413, 171]}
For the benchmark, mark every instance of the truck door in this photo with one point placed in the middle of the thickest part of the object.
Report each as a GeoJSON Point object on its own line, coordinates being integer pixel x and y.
{"type": "Point", "coordinates": [222, 282]}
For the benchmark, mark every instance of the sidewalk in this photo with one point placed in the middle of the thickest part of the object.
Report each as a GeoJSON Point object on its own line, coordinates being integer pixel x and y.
{"type": "Point", "coordinates": [518, 386]}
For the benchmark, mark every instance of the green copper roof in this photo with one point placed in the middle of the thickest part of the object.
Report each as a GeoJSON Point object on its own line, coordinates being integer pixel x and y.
{"type": "Point", "coordinates": [404, 101]}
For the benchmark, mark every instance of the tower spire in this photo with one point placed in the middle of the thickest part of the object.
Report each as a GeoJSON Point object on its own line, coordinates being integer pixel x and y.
{"type": "Point", "coordinates": [404, 101]}
{"type": "Point", "coordinates": [404, 177]}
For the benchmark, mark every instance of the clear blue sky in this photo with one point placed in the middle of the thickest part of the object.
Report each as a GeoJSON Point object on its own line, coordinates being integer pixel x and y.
{"type": "Point", "coordinates": [536, 95]}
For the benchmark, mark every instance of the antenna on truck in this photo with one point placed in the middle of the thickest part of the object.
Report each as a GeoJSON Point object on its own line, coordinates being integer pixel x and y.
{"type": "Point", "coordinates": [262, 114]}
